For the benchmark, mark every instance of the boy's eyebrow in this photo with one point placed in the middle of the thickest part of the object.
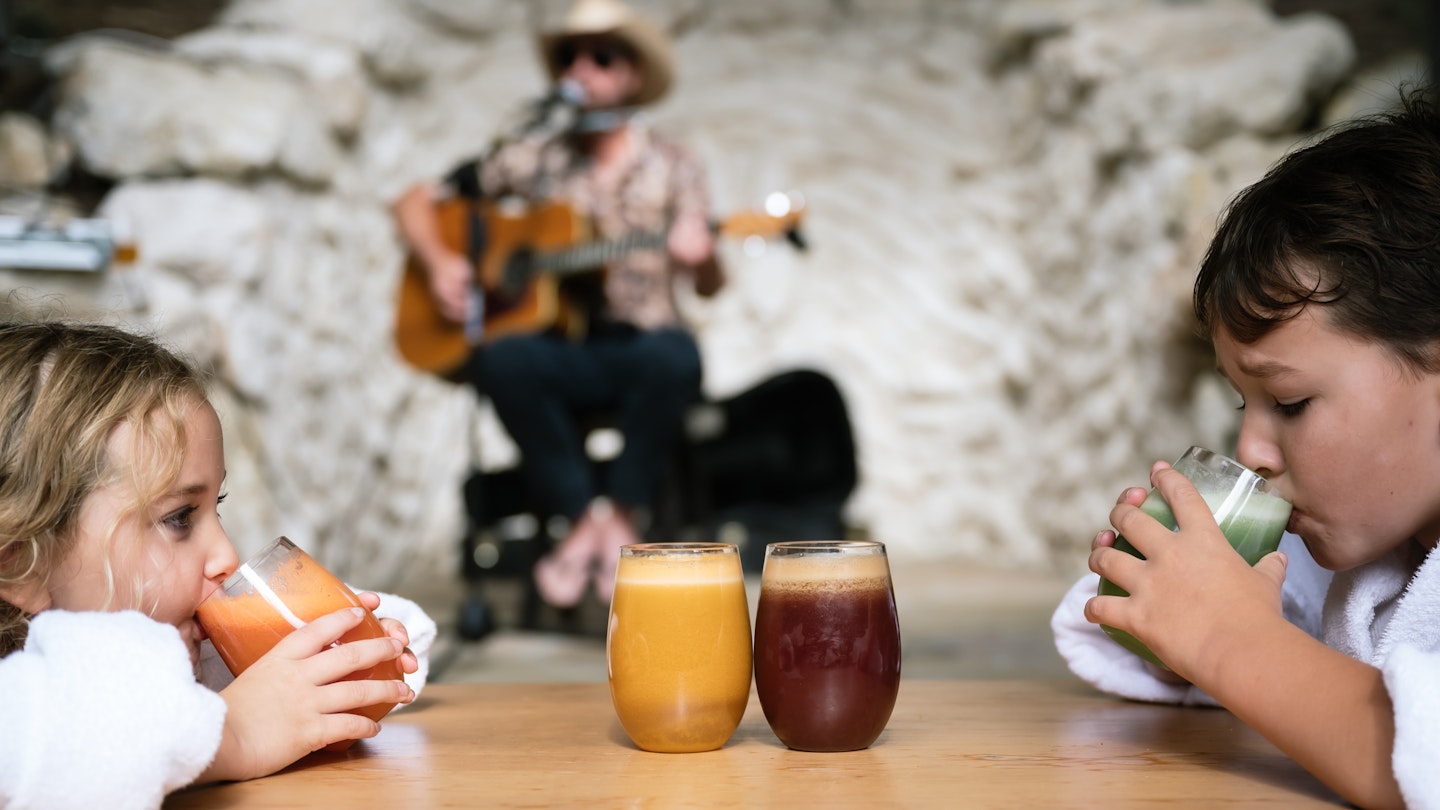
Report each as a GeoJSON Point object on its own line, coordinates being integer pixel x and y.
{"type": "Point", "coordinates": [1263, 369]}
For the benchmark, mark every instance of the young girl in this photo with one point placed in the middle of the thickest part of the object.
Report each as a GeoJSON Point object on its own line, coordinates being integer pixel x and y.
{"type": "Point", "coordinates": [111, 475]}
{"type": "Point", "coordinates": [1321, 293]}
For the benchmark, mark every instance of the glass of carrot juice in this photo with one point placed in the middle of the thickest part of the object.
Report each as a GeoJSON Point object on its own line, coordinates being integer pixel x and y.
{"type": "Point", "coordinates": [278, 591]}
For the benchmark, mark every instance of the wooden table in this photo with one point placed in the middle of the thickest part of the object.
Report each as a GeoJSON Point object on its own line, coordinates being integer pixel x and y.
{"type": "Point", "coordinates": [966, 744]}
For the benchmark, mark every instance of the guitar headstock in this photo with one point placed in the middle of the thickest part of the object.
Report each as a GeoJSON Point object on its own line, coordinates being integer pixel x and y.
{"type": "Point", "coordinates": [780, 217]}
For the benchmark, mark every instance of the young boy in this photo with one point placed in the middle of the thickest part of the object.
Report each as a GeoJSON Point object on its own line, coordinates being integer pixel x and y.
{"type": "Point", "coordinates": [1321, 294]}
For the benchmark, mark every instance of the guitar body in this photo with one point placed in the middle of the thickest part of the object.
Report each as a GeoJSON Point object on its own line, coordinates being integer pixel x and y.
{"type": "Point", "coordinates": [515, 299]}
{"type": "Point", "coordinates": [535, 270]}
{"type": "Point", "coordinates": [518, 298]}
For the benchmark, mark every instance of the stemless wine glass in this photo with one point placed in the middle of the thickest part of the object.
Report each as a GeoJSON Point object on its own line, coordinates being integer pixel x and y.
{"type": "Point", "coordinates": [280, 590]}
{"type": "Point", "coordinates": [1250, 513]}
{"type": "Point", "coordinates": [678, 645]}
{"type": "Point", "coordinates": [827, 643]}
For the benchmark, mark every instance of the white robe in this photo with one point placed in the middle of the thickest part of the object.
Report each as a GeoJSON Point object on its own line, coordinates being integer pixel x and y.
{"type": "Point", "coordinates": [103, 709]}
{"type": "Point", "coordinates": [1386, 613]}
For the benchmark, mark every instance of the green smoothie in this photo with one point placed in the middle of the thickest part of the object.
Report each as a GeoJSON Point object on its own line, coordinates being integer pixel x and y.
{"type": "Point", "coordinates": [1252, 521]}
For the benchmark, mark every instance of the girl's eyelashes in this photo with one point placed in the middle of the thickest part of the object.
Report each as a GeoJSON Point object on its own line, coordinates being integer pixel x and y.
{"type": "Point", "coordinates": [179, 520]}
{"type": "Point", "coordinates": [1291, 409]}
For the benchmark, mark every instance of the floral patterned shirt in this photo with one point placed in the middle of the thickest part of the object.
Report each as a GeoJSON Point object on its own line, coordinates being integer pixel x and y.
{"type": "Point", "coordinates": [656, 181]}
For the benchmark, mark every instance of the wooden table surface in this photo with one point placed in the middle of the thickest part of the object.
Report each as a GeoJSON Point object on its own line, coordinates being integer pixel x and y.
{"type": "Point", "coordinates": [949, 744]}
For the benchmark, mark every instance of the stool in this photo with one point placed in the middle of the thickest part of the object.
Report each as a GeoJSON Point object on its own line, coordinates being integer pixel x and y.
{"type": "Point", "coordinates": [508, 530]}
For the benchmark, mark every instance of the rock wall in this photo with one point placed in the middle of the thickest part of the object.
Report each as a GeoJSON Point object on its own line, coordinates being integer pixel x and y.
{"type": "Point", "coordinates": [1006, 202]}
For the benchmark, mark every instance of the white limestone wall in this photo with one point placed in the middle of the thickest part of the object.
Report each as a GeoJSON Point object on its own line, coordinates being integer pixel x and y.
{"type": "Point", "coordinates": [1006, 204]}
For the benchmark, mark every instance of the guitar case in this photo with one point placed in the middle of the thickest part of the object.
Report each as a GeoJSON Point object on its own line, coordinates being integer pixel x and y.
{"type": "Point", "coordinates": [781, 468]}
{"type": "Point", "coordinates": [775, 462]}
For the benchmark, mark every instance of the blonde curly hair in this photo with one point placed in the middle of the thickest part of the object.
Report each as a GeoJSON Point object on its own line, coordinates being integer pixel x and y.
{"type": "Point", "coordinates": [64, 388]}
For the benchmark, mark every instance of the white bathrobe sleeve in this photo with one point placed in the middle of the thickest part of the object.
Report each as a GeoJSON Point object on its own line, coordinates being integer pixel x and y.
{"type": "Point", "coordinates": [1101, 662]}
{"type": "Point", "coordinates": [422, 635]}
{"type": "Point", "coordinates": [417, 623]}
{"type": "Point", "coordinates": [102, 710]}
{"type": "Point", "coordinates": [1410, 676]}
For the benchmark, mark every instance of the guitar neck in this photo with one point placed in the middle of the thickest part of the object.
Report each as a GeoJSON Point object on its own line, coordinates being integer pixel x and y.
{"type": "Point", "coordinates": [591, 255]}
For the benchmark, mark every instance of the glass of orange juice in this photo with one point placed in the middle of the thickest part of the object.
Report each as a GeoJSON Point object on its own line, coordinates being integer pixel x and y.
{"type": "Point", "coordinates": [278, 591]}
{"type": "Point", "coordinates": [678, 645]}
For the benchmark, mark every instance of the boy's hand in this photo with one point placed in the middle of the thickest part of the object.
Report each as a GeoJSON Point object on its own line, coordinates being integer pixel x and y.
{"type": "Point", "coordinates": [1192, 593]}
{"type": "Point", "coordinates": [293, 700]}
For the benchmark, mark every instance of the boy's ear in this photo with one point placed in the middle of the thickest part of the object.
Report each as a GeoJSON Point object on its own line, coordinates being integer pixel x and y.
{"type": "Point", "coordinates": [30, 597]}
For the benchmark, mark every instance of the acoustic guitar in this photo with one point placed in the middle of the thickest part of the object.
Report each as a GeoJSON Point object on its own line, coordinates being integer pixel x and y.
{"type": "Point", "coordinates": [522, 259]}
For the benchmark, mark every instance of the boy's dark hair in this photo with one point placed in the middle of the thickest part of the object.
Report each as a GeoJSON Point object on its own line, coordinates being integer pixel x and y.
{"type": "Point", "coordinates": [1351, 222]}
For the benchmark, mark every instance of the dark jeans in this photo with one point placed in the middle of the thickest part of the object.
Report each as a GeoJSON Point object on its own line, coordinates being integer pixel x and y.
{"type": "Point", "coordinates": [543, 385]}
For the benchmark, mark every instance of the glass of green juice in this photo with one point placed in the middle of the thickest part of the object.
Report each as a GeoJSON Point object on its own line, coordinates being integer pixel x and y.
{"type": "Point", "coordinates": [1250, 513]}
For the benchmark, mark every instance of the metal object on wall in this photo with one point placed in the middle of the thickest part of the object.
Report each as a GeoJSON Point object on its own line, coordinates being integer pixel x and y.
{"type": "Point", "coordinates": [80, 245]}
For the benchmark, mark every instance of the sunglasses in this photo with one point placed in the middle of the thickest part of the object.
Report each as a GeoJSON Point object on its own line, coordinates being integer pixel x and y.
{"type": "Point", "coordinates": [602, 54]}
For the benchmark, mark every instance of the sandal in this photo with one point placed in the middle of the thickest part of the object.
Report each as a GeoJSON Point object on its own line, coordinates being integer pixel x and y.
{"type": "Point", "coordinates": [561, 575]}
{"type": "Point", "coordinates": [616, 531]}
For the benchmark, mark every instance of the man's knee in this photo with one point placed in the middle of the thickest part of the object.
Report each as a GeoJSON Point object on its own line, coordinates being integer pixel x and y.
{"type": "Point", "coordinates": [673, 358]}
{"type": "Point", "coordinates": [510, 362]}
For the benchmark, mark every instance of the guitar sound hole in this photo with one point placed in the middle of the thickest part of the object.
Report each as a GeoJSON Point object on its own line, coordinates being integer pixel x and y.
{"type": "Point", "coordinates": [518, 271]}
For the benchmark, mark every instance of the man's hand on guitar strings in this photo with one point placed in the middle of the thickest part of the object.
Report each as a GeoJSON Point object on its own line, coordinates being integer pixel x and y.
{"type": "Point", "coordinates": [450, 278]}
{"type": "Point", "coordinates": [690, 241]}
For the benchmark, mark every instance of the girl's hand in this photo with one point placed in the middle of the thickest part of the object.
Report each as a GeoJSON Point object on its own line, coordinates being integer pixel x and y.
{"type": "Point", "coordinates": [293, 700]}
{"type": "Point", "coordinates": [408, 662]}
{"type": "Point", "coordinates": [1192, 592]}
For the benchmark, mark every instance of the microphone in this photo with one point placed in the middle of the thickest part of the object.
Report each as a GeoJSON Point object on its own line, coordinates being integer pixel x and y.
{"type": "Point", "coordinates": [563, 101]}
{"type": "Point", "coordinates": [566, 92]}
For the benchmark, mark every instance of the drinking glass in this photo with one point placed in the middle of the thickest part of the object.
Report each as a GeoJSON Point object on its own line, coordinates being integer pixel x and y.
{"type": "Point", "coordinates": [678, 645]}
{"type": "Point", "coordinates": [1250, 513]}
{"type": "Point", "coordinates": [827, 643]}
{"type": "Point", "coordinates": [280, 590]}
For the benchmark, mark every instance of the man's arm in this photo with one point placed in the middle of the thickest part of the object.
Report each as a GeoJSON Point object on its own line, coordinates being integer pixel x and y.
{"type": "Point", "coordinates": [414, 214]}
{"type": "Point", "coordinates": [709, 276]}
{"type": "Point", "coordinates": [691, 244]}
{"type": "Point", "coordinates": [449, 272]}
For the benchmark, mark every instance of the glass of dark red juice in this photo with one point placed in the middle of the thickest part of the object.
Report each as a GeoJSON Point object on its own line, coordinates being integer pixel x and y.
{"type": "Point", "coordinates": [827, 643]}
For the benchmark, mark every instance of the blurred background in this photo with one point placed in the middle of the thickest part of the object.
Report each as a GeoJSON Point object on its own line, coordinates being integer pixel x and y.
{"type": "Point", "coordinates": [1004, 203]}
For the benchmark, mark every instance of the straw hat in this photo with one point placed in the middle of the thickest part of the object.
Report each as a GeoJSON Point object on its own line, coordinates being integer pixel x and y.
{"type": "Point", "coordinates": [615, 19]}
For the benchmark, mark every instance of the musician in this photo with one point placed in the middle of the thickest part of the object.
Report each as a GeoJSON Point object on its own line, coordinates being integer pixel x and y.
{"type": "Point", "coordinates": [636, 359]}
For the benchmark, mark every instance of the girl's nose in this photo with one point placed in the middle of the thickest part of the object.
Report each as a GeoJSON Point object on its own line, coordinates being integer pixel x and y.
{"type": "Point", "coordinates": [224, 561]}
